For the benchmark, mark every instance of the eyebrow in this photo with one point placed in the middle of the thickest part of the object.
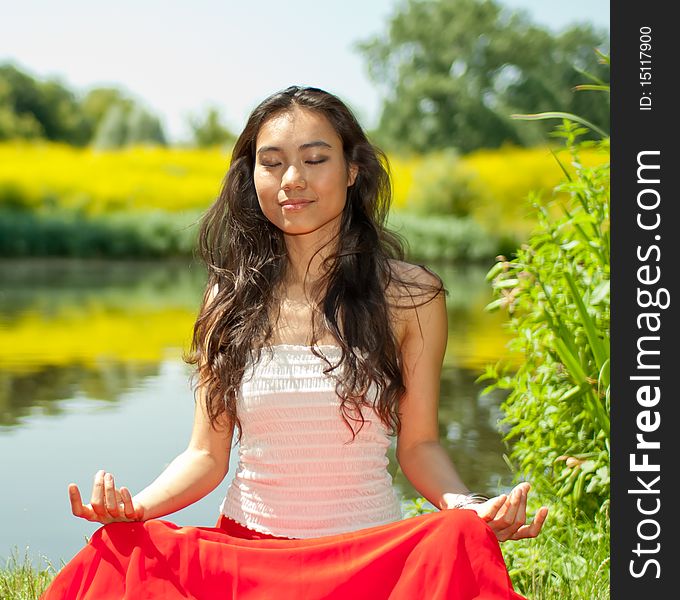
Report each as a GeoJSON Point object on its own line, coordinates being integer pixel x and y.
{"type": "Point", "coordinates": [314, 144]}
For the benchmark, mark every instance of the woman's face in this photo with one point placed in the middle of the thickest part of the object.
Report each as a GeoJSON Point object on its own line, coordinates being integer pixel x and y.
{"type": "Point", "coordinates": [300, 173]}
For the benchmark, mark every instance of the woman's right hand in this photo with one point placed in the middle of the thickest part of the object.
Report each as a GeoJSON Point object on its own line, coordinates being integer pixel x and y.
{"type": "Point", "coordinates": [108, 504]}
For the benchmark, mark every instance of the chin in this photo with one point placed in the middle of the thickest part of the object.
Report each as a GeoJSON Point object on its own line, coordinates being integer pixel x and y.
{"type": "Point", "coordinates": [295, 230]}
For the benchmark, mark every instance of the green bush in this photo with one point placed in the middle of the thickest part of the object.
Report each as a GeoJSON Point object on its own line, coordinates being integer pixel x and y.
{"type": "Point", "coordinates": [556, 293]}
{"type": "Point", "coordinates": [120, 235]}
{"type": "Point", "coordinates": [444, 186]}
{"type": "Point", "coordinates": [446, 238]}
{"type": "Point", "coordinates": [156, 234]}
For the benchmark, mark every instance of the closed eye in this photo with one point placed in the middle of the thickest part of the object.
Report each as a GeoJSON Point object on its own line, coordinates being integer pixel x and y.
{"type": "Point", "coordinates": [309, 162]}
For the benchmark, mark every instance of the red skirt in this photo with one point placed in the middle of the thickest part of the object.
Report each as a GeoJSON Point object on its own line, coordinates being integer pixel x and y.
{"type": "Point", "coordinates": [449, 554]}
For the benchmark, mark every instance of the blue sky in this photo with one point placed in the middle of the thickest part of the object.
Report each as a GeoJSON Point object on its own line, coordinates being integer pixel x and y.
{"type": "Point", "coordinates": [179, 57]}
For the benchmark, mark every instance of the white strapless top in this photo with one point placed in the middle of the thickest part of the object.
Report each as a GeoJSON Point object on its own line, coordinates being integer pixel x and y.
{"type": "Point", "coordinates": [300, 475]}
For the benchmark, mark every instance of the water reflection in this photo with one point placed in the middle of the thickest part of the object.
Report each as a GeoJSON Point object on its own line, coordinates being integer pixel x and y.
{"type": "Point", "coordinates": [88, 329]}
{"type": "Point", "coordinates": [78, 338]}
{"type": "Point", "coordinates": [71, 328]}
{"type": "Point", "coordinates": [24, 393]}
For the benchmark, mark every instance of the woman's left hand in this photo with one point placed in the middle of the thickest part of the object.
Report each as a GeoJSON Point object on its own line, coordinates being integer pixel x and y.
{"type": "Point", "coordinates": [507, 514]}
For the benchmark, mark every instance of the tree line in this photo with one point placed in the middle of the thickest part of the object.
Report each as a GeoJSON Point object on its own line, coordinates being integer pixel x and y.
{"type": "Point", "coordinates": [104, 117]}
{"type": "Point", "coordinates": [450, 72]}
{"type": "Point", "coordinates": [453, 71]}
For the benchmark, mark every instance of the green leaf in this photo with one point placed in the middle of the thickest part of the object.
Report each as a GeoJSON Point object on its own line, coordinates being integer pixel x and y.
{"type": "Point", "coordinates": [599, 350]}
{"type": "Point", "coordinates": [588, 466]}
{"type": "Point", "coordinates": [592, 88]}
{"type": "Point", "coordinates": [560, 115]}
{"type": "Point", "coordinates": [571, 393]}
{"type": "Point", "coordinates": [603, 377]}
{"type": "Point", "coordinates": [506, 283]}
{"type": "Point", "coordinates": [495, 305]}
{"type": "Point", "coordinates": [493, 271]}
{"type": "Point", "coordinates": [600, 293]}
{"type": "Point", "coordinates": [570, 362]}
{"type": "Point", "coordinates": [604, 58]}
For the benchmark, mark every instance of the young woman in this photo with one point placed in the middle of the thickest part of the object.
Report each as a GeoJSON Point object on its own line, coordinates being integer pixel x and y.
{"type": "Point", "coordinates": [317, 342]}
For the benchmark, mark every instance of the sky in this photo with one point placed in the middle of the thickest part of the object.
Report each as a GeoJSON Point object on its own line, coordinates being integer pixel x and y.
{"type": "Point", "coordinates": [178, 58]}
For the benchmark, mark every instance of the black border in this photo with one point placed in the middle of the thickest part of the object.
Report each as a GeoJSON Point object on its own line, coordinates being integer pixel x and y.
{"type": "Point", "coordinates": [634, 130]}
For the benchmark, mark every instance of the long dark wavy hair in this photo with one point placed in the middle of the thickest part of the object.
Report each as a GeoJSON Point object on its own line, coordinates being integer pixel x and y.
{"type": "Point", "coordinates": [246, 258]}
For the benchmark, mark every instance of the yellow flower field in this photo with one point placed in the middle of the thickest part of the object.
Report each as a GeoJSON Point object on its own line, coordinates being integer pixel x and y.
{"type": "Point", "coordinates": [76, 336]}
{"type": "Point", "coordinates": [501, 180]}
{"type": "Point", "coordinates": [43, 175]}
{"type": "Point", "coordinates": [139, 178]}
{"type": "Point", "coordinates": [32, 341]}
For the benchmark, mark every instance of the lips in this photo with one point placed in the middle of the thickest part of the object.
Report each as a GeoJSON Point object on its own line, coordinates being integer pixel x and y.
{"type": "Point", "coordinates": [296, 202]}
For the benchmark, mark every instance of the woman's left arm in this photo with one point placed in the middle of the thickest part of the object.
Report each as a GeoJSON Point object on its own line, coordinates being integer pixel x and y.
{"type": "Point", "coordinates": [421, 457]}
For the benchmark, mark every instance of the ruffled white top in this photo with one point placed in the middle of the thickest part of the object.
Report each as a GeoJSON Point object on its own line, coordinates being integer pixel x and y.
{"type": "Point", "coordinates": [300, 475]}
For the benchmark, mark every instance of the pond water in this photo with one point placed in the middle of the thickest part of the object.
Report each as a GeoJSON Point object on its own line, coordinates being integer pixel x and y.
{"type": "Point", "coordinates": [92, 377]}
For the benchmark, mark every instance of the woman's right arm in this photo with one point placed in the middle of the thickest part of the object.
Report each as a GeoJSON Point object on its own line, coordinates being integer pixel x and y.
{"type": "Point", "coordinates": [194, 473]}
{"type": "Point", "coordinates": [189, 477]}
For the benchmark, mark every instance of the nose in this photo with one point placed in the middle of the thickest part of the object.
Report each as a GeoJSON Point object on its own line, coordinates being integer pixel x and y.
{"type": "Point", "coordinates": [292, 177]}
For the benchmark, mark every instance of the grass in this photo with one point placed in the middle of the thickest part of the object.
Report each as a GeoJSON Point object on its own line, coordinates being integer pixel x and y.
{"type": "Point", "coordinates": [20, 579]}
{"type": "Point", "coordinates": [569, 560]}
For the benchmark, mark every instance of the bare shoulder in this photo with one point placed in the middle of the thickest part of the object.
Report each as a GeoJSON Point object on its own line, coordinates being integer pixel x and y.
{"type": "Point", "coordinates": [412, 280]}
{"type": "Point", "coordinates": [414, 290]}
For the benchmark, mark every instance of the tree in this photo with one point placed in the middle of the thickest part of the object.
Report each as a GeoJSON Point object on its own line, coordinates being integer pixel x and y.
{"type": "Point", "coordinates": [98, 101]}
{"type": "Point", "coordinates": [143, 127]}
{"type": "Point", "coordinates": [112, 130]}
{"type": "Point", "coordinates": [453, 71]}
{"type": "Point", "coordinates": [29, 109]}
{"type": "Point", "coordinates": [125, 124]}
{"type": "Point", "coordinates": [210, 131]}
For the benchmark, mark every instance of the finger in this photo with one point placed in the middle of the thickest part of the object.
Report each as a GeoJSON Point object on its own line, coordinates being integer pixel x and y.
{"type": "Point", "coordinates": [531, 531]}
{"type": "Point", "coordinates": [507, 513]}
{"type": "Point", "coordinates": [119, 501]}
{"type": "Point", "coordinates": [489, 509]}
{"type": "Point", "coordinates": [84, 511]}
{"type": "Point", "coordinates": [128, 506]}
{"type": "Point", "coordinates": [110, 496]}
{"type": "Point", "coordinates": [76, 501]}
{"type": "Point", "coordinates": [97, 501]}
{"type": "Point", "coordinates": [519, 520]}
{"type": "Point", "coordinates": [77, 506]}
{"type": "Point", "coordinates": [521, 514]}
{"type": "Point", "coordinates": [524, 487]}
{"type": "Point", "coordinates": [503, 508]}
